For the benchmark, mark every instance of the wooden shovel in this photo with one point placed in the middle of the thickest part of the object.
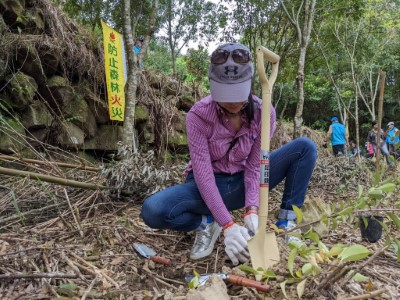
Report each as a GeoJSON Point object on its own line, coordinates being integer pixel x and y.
{"type": "Point", "coordinates": [263, 247]}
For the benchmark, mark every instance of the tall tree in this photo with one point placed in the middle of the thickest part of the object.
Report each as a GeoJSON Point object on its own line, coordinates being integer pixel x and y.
{"type": "Point", "coordinates": [301, 18]}
{"type": "Point", "coordinates": [185, 21]}
{"type": "Point", "coordinates": [131, 20]}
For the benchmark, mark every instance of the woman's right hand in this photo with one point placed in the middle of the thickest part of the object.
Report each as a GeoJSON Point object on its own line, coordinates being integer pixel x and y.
{"type": "Point", "coordinates": [236, 238]}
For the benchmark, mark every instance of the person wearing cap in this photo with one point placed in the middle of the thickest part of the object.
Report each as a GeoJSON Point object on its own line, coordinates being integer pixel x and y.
{"type": "Point", "coordinates": [392, 138]}
{"type": "Point", "coordinates": [337, 135]}
{"type": "Point", "coordinates": [137, 48]}
{"type": "Point", "coordinates": [373, 140]}
{"type": "Point", "coordinates": [224, 137]}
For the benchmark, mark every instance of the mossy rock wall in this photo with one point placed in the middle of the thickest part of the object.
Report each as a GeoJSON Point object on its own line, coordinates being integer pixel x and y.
{"type": "Point", "coordinates": [52, 87]}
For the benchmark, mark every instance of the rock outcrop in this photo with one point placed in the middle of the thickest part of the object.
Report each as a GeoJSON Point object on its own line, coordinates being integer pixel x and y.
{"type": "Point", "coordinates": [52, 87]}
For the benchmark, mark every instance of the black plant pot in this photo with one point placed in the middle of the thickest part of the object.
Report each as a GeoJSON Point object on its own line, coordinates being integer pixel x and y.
{"type": "Point", "coordinates": [373, 231]}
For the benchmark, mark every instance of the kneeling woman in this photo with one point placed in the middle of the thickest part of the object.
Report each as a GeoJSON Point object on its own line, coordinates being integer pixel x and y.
{"type": "Point", "coordinates": [224, 136]}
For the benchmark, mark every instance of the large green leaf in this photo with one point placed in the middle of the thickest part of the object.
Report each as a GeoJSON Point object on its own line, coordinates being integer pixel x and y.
{"type": "Point", "coordinates": [360, 278]}
{"type": "Point", "coordinates": [346, 211]}
{"type": "Point", "coordinates": [307, 269]}
{"type": "Point", "coordinates": [360, 190]}
{"type": "Point", "coordinates": [395, 219]}
{"type": "Point", "coordinates": [336, 250]}
{"type": "Point", "coordinates": [375, 193]}
{"type": "Point", "coordinates": [299, 214]}
{"type": "Point", "coordinates": [354, 253]}
{"type": "Point", "coordinates": [291, 258]}
{"type": "Point", "coordinates": [398, 249]}
{"type": "Point", "coordinates": [248, 269]}
{"type": "Point", "coordinates": [388, 187]}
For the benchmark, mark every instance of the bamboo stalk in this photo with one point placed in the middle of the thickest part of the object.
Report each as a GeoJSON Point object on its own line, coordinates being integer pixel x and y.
{"type": "Point", "coordinates": [380, 109]}
{"type": "Point", "coordinates": [37, 275]}
{"type": "Point", "coordinates": [41, 162]}
{"type": "Point", "coordinates": [22, 215]}
{"type": "Point", "coordinates": [89, 288]}
{"type": "Point", "coordinates": [367, 296]}
{"type": "Point", "coordinates": [51, 179]}
{"type": "Point", "coordinates": [73, 214]}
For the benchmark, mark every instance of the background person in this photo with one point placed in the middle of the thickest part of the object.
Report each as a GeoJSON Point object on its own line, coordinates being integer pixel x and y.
{"type": "Point", "coordinates": [381, 143]}
{"type": "Point", "coordinates": [354, 149]}
{"type": "Point", "coordinates": [137, 48]}
{"type": "Point", "coordinates": [224, 136]}
{"type": "Point", "coordinates": [392, 138]}
{"type": "Point", "coordinates": [338, 137]}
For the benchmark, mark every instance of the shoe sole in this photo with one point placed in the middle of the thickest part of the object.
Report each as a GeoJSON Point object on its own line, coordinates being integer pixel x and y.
{"type": "Point", "coordinates": [210, 249]}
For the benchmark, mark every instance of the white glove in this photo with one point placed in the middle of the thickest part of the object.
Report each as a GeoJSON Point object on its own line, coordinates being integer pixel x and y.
{"type": "Point", "coordinates": [251, 222]}
{"type": "Point", "coordinates": [236, 238]}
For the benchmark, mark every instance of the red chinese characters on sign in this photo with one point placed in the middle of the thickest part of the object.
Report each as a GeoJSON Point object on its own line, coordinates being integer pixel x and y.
{"type": "Point", "coordinates": [114, 75]}
{"type": "Point", "coordinates": [115, 71]}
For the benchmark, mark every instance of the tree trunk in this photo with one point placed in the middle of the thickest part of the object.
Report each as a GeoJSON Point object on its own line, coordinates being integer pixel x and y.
{"type": "Point", "coordinates": [134, 65]}
{"type": "Point", "coordinates": [298, 118]}
{"type": "Point", "coordinates": [284, 108]}
{"type": "Point", "coordinates": [128, 136]}
{"type": "Point", "coordinates": [303, 29]}
{"type": "Point", "coordinates": [170, 39]}
{"type": "Point", "coordinates": [173, 56]}
{"type": "Point", "coordinates": [357, 130]}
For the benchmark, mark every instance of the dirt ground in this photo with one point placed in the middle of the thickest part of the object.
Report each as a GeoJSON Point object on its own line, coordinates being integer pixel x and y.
{"type": "Point", "coordinates": [79, 245]}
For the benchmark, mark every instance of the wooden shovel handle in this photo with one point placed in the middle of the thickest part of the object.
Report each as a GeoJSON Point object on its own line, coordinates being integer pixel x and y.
{"type": "Point", "coordinates": [238, 280]}
{"type": "Point", "coordinates": [161, 260]}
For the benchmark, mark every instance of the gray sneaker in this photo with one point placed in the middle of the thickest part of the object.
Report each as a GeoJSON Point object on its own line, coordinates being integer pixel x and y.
{"type": "Point", "coordinates": [205, 240]}
{"type": "Point", "coordinates": [288, 225]}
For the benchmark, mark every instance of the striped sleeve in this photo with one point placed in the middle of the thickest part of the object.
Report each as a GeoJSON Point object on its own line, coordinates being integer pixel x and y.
{"type": "Point", "coordinates": [202, 168]}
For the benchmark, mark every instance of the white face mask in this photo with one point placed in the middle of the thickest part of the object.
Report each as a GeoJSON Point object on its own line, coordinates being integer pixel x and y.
{"type": "Point", "coordinates": [391, 127]}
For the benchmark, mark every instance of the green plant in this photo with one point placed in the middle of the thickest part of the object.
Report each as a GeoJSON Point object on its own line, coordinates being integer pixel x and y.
{"type": "Point", "coordinates": [314, 261]}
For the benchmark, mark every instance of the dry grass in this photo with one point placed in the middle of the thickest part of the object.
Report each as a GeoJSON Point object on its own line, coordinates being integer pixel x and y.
{"type": "Point", "coordinates": [58, 241]}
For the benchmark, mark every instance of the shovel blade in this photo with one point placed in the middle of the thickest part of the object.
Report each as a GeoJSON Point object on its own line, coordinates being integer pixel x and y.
{"type": "Point", "coordinates": [264, 251]}
{"type": "Point", "coordinates": [144, 250]}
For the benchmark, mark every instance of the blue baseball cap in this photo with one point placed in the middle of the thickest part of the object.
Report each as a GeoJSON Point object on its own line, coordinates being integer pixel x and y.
{"type": "Point", "coordinates": [334, 119]}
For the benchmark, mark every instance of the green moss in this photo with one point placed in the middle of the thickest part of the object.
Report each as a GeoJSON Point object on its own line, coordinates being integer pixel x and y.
{"type": "Point", "coordinates": [22, 89]}
{"type": "Point", "coordinates": [178, 139]}
{"type": "Point", "coordinates": [77, 111]}
{"type": "Point", "coordinates": [141, 113]}
{"type": "Point", "coordinates": [57, 81]}
{"type": "Point", "coordinates": [12, 136]}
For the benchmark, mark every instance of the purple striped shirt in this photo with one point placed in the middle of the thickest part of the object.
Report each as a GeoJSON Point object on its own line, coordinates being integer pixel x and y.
{"type": "Point", "coordinates": [209, 135]}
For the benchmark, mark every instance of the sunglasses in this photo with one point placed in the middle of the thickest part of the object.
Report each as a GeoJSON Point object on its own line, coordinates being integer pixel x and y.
{"type": "Point", "coordinates": [239, 56]}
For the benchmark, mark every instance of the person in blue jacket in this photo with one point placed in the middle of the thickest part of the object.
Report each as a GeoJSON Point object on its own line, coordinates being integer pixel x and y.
{"type": "Point", "coordinates": [137, 49]}
{"type": "Point", "coordinates": [392, 138]}
{"type": "Point", "coordinates": [337, 135]}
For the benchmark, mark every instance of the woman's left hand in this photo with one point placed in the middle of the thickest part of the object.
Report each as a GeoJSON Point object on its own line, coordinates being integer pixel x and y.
{"type": "Point", "coordinates": [251, 221]}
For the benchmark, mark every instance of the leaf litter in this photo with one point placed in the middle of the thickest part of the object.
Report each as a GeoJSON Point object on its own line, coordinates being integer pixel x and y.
{"type": "Point", "coordinates": [83, 249]}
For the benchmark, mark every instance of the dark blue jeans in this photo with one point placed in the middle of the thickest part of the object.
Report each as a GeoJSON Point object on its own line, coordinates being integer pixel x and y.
{"type": "Point", "coordinates": [181, 207]}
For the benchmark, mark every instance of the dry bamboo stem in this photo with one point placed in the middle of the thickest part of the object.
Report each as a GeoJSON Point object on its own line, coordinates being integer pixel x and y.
{"type": "Point", "coordinates": [40, 162]}
{"type": "Point", "coordinates": [73, 214]}
{"type": "Point", "coordinates": [160, 279]}
{"type": "Point", "coordinates": [37, 275]}
{"type": "Point", "coordinates": [51, 179]}
{"type": "Point", "coordinates": [97, 270]}
{"type": "Point", "coordinates": [72, 265]}
{"type": "Point", "coordinates": [89, 288]}
{"type": "Point", "coordinates": [22, 215]}
{"type": "Point", "coordinates": [366, 296]}
{"type": "Point", "coordinates": [45, 281]}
